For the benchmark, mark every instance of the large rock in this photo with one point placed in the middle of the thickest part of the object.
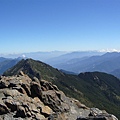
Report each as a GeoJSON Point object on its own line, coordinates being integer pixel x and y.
{"type": "Point", "coordinates": [96, 114]}
{"type": "Point", "coordinates": [3, 108]}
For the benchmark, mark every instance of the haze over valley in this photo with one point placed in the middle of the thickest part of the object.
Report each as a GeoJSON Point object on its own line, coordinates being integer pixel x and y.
{"type": "Point", "coordinates": [75, 62]}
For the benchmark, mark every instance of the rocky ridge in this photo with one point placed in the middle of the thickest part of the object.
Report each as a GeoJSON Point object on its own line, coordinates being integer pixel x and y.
{"type": "Point", "coordinates": [25, 98]}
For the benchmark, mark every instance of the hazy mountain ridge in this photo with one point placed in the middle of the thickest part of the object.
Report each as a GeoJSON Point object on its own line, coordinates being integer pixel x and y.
{"type": "Point", "coordinates": [90, 89]}
{"type": "Point", "coordinates": [71, 56]}
{"type": "Point", "coordinates": [6, 63]}
{"type": "Point", "coordinates": [108, 63]}
{"type": "Point", "coordinates": [116, 72]}
{"type": "Point", "coordinates": [2, 59]}
{"type": "Point", "coordinates": [36, 55]}
{"type": "Point", "coordinates": [78, 62]}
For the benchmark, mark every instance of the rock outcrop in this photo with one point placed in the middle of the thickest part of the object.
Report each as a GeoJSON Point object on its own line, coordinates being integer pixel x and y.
{"type": "Point", "coordinates": [23, 98]}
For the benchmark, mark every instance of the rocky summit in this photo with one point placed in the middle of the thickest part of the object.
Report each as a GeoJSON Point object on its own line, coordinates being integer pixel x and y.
{"type": "Point", "coordinates": [25, 98]}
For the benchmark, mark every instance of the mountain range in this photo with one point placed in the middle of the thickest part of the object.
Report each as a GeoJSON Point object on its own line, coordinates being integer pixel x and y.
{"type": "Point", "coordinates": [42, 56]}
{"type": "Point", "coordinates": [108, 62]}
{"type": "Point", "coordinates": [73, 62]}
{"type": "Point", "coordinates": [6, 63]}
{"type": "Point", "coordinates": [47, 57]}
{"type": "Point", "coordinates": [71, 56]}
{"type": "Point", "coordinates": [94, 89]}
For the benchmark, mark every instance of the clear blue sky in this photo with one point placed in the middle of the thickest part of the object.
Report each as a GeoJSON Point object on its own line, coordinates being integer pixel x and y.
{"type": "Point", "coordinates": [65, 25]}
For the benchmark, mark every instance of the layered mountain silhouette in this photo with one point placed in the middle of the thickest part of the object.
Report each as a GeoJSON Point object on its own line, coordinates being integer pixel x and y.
{"type": "Point", "coordinates": [71, 56]}
{"type": "Point", "coordinates": [94, 89]}
{"type": "Point", "coordinates": [109, 63]}
{"type": "Point", "coordinates": [74, 62]}
{"type": "Point", "coordinates": [6, 63]}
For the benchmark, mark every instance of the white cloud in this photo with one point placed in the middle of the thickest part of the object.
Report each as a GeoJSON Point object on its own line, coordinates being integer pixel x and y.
{"type": "Point", "coordinates": [23, 56]}
{"type": "Point", "coordinates": [109, 50]}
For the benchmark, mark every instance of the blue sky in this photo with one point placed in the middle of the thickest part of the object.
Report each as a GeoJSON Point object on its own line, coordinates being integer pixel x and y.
{"type": "Point", "coordinates": [64, 25]}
